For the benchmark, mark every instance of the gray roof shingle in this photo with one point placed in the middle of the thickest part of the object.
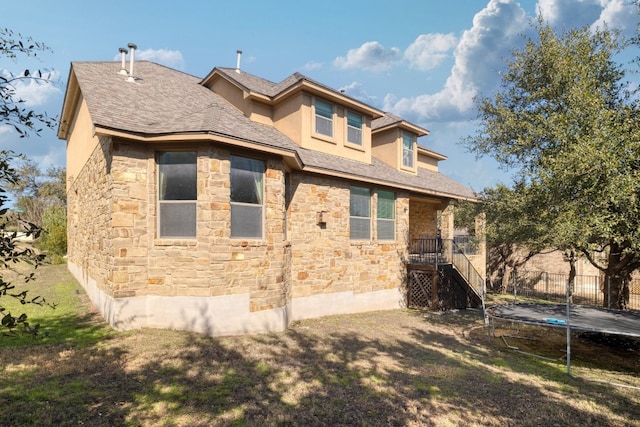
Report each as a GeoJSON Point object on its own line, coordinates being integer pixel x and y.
{"type": "Point", "coordinates": [165, 101]}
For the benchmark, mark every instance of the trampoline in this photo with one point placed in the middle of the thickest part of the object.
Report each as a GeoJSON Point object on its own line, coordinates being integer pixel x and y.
{"type": "Point", "coordinates": [585, 318]}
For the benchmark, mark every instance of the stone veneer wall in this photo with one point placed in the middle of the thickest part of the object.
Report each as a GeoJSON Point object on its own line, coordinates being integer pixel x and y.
{"type": "Point", "coordinates": [423, 219]}
{"type": "Point", "coordinates": [88, 219]}
{"type": "Point", "coordinates": [213, 283]}
{"type": "Point", "coordinates": [332, 274]}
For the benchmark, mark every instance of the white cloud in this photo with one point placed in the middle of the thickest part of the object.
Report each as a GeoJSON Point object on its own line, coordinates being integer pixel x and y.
{"type": "Point", "coordinates": [569, 13]}
{"type": "Point", "coordinates": [35, 91]}
{"type": "Point", "coordinates": [478, 57]}
{"type": "Point", "coordinates": [313, 65]}
{"type": "Point", "coordinates": [429, 50]}
{"type": "Point", "coordinates": [169, 58]}
{"type": "Point", "coordinates": [620, 14]}
{"type": "Point", "coordinates": [371, 56]}
{"type": "Point", "coordinates": [356, 90]}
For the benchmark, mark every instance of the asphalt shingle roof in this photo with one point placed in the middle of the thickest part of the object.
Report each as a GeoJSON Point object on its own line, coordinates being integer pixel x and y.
{"type": "Point", "coordinates": [165, 101]}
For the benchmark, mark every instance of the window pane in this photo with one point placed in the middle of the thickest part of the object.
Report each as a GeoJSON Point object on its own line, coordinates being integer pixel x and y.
{"type": "Point", "coordinates": [354, 136]}
{"type": "Point", "coordinates": [324, 126]}
{"type": "Point", "coordinates": [386, 204]}
{"type": "Point", "coordinates": [177, 176]}
{"type": "Point", "coordinates": [359, 202]}
{"type": "Point", "coordinates": [359, 228]}
{"type": "Point", "coordinates": [177, 219]}
{"type": "Point", "coordinates": [246, 221]}
{"type": "Point", "coordinates": [354, 119]}
{"type": "Point", "coordinates": [407, 149]}
{"type": "Point", "coordinates": [324, 109]}
{"type": "Point", "coordinates": [247, 180]}
{"type": "Point", "coordinates": [386, 229]}
{"type": "Point", "coordinates": [360, 213]}
{"type": "Point", "coordinates": [324, 117]}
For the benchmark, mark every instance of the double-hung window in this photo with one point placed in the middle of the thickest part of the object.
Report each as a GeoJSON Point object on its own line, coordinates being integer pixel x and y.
{"type": "Point", "coordinates": [247, 197]}
{"type": "Point", "coordinates": [359, 213]}
{"type": "Point", "coordinates": [354, 128]}
{"type": "Point", "coordinates": [408, 143]}
{"type": "Point", "coordinates": [386, 223]}
{"type": "Point", "coordinates": [324, 117]}
{"type": "Point", "coordinates": [177, 194]}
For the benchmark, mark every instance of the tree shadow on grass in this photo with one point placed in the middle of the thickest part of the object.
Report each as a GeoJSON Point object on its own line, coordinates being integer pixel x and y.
{"type": "Point", "coordinates": [348, 370]}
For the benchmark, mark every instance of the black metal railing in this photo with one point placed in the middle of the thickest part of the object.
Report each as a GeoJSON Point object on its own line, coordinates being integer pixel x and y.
{"type": "Point", "coordinates": [433, 250]}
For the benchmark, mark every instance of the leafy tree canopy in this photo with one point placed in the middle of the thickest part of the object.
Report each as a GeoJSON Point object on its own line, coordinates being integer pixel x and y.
{"type": "Point", "coordinates": [565, 121]}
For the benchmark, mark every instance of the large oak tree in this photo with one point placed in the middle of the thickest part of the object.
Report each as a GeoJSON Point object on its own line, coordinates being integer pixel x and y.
{"type": "Point", "coordinates": [565, 121]}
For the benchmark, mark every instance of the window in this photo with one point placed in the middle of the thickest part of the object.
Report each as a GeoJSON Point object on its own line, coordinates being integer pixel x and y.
{"type": "Point", "coordinates": [354, 128]}
{"type": "Point", "coordinates": [177, 194]}
{"type": "Point", "coordinates": [408, 141]}
{"type": "Point", "coordinates": [324, 118]}
{"type": "Point", "coordinates": [359, 213]}
{"type": "Point", "coordinates": [247, 197]}
{"type": "Point", "coordinates": [386, 215]}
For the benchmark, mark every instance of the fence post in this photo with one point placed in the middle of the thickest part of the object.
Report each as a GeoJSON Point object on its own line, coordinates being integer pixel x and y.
{"type": "Point", "coordinates": [546, 285]}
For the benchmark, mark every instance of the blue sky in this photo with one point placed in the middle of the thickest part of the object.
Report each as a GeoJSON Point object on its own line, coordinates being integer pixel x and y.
{"type": "Point", "coordinates": [422, 60]}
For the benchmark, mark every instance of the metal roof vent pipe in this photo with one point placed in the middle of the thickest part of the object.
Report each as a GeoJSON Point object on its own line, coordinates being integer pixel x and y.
{"type": "Point", "coordinates": [133, 48]}
{"type": "Point", "coordinates": [123, 53]}
{"type": "Point", "coordinates": [239, 52]}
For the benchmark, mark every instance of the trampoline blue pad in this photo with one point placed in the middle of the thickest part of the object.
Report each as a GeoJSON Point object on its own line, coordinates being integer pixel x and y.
{"type": "Point", "coordinates": [595, 319]}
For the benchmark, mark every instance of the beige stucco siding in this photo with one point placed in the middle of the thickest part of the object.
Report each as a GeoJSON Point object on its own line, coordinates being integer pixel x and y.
{"type": "Point", "coordinates": [81, 143]}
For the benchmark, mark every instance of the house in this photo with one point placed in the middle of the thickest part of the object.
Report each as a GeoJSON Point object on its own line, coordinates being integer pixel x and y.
{"type": "Point", "coordinates": [230, 204]}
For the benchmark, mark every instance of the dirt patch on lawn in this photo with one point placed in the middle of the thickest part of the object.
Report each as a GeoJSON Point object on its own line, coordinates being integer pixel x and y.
{"type": "Point", "coordinates": [392, 368]}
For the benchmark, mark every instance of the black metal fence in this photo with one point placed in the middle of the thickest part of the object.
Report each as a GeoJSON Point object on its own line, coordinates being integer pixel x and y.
{"type": "Point", "coordinates": [587, 290]}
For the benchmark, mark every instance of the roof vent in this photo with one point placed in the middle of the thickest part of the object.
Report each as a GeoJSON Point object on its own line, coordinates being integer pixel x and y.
{"type": "Point", "coordinates": [123, 53]}
{"type": "Point", "coordinates": [239, 52]}
{"type": "Point", "coordinates": [133, 48]}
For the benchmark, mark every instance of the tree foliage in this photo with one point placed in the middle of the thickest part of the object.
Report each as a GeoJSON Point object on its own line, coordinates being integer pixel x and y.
{"type": "Point", "coordinates": [12, 253]}
{"type": "Point", "coordinates": [564, 119]}
{"type": "Point", "coordinates": [36, 191]}
{"type": "Point", "coordinates": [13, 111]}
{"type": "Point", "coordinates": [15, 114]}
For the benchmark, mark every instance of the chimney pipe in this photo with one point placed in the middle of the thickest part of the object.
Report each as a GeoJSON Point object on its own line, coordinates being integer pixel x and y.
{"type": "Point", "coordinates": [123, 69]}
{"type": "Point", "coordinates": [239, 52]}
{"type": "Point", "coordinates": [133, 48]}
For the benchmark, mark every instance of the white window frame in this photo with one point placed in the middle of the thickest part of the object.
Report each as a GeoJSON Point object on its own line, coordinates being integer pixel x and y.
{"type": "Point", "coordinates": [408, 154]}
{"type": "Point", "coordinates": [238, 232]}
{"type": "Point", "coordinates": [385, 221]}
{"type": "Point", "coordinates": [162, 203]}
{"type": "Point", "coordinates": [355, 129]}
{"type": "Point", "coordinates": [359, 219]}
{"type": "Point", "coordinates": [318, 115]}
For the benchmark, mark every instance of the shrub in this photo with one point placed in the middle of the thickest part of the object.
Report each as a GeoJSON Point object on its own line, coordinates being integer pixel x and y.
{"type": "Point", "coordinates": [54, 237]}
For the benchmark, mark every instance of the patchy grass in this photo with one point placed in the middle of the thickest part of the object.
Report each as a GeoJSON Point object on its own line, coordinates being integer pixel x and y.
{"type": "Point", "coordinates": [404, 368]}
{"type": "Point", "coordinates": [67, 321]}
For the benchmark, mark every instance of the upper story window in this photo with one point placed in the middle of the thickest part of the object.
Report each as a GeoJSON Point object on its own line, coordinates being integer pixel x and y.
{"type": "Point", "coordinates": [359, 213]}
{"type": "Point", "coordinates": [354, 128]}
{"type": "Point", "coordinates": [386, 223]}
{"type": "Point", "coordinates": [247, 197]}
{"type": "Point", "coordinates": [177, 194]}
{"type": "Point", "coordinates": [408, 144]}
{"type": "Point", "coordinates": [324, 117]}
